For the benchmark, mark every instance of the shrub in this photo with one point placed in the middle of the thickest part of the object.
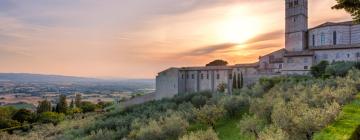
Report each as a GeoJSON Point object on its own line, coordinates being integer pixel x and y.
{"type": "Point", "coordinates": [209, 114]}
{"type": "Point", "coordinates": [8, 123]}
{"type": "Point", "coordinates": [233, 105]}
{"type": "Point", "coordinates": [51, 117]}
{"type": "Point", "coordinates": [165, 128]}
{"type": "Point", "coordinates": [251, 125]}
{"type": "Point", "coordinates": [198, 101]}
{"type": "Point", "coordinates": [102, 134]}
{"type": "Point", "coordinates": [88, 106]}
{"type": "Point", "coordinates": [23, 115]}
{"type": "Point", "coordinates": [201, 135]}
{"type": "Point", "coordinates": [319, 69]}
{"type": "Point", "coordinates": [273, 133]}
{"type": "Point", "coordinates": [44, 106]}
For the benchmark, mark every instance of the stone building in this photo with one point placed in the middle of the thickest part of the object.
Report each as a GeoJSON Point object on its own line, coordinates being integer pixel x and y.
{"type": "Point", "coordinates": [304, 47]}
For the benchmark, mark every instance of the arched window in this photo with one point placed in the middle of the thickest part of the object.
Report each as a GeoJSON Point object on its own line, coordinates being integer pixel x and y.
{"type": "Point", "coordinates": [313, 40]}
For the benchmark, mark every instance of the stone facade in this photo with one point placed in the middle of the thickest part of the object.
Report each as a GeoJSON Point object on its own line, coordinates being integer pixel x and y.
{"type": "Point", "coordinates": [303, 48]}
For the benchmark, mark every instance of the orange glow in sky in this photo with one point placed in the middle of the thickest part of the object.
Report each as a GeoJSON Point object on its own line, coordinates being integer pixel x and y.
{"type": "Point", "coordinates": [138, 38]}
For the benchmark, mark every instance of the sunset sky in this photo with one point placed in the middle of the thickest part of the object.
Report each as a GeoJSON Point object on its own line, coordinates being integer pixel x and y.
{"type": "Point", "coordinates": [138, 38]}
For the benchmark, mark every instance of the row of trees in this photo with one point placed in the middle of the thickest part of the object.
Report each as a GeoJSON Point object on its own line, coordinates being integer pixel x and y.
{"type": "Point", "coordinates": [238, 81]}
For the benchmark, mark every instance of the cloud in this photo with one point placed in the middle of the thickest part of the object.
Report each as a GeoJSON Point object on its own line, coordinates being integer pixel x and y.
{"type": "Point", "coordinates": [266, 37]}
{"type": "Point", "coordinates": [210, 49]}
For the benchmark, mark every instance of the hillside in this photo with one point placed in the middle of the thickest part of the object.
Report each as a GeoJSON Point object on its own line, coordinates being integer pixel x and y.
{"type": "Point", "coordinates": [26, 77]}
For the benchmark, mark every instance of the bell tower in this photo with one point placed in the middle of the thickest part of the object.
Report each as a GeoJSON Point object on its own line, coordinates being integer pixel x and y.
{"type": "Point", "coordinates": [296, 25]}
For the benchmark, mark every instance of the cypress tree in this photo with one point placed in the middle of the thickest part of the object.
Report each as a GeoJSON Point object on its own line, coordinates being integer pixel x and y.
{"type": "Point", "coordinates": [72, 103]}
{"type": "Point", "coordinates": [78, 100]}
{"type": "Point", "coordinates": [62, 106]}
{"type": "Point", "coordinates": [234, 83]}
{"type": "Point", "coordinates": [241, 80]}
{"type": "Point", "coordinates": [44, 106]}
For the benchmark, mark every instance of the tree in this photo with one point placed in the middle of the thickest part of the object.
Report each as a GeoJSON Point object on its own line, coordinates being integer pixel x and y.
{"type": "Point", "coordinates": [78, 100]}
{"type": "Point", "coordinates": [241, 81]}
{"type": "Point", "coordinates": [319, 69]}
{"type": "Point", "coordinates": [233, 105]}
{"type": "Point", "coordinates": [221, 87]}
{"type": "Point", "coordinates": [251, 125]}
{"type": "Point", "coordinates": [23, 115]}
{"type": "Point", "coordinates": [235, 81]}
{"type": "Point", "coordinates": [217, 63]}
{"type": "Point", "coordinates": [87, 106]}
{"type": "Point", "coordinates": [71, 104]}
{"type": "Point", "coordinates": [199, 101]}
{"type": "Point", "coordinates": [209, 114]}
{"type": "Point", "coordinates": [350, 6]}
{"type": "Point", "coordinates": [44, 106]}
{"type": "Point", "coordinates": [51, 117]}
{"type": "Point", "coordinates": [209, 134]}
{"type": "Point", "coordinates": [273, 133]}
{"type": "Point", "coordinates": [6, 112]}
{"type": "Point", "coordinates": [62, 106]}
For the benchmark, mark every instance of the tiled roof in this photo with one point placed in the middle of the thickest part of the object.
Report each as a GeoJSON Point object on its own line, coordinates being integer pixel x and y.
{"type": "Point", "coordinates": [207, 68]}
{"type": "Point", "coordinates": [256, 64]}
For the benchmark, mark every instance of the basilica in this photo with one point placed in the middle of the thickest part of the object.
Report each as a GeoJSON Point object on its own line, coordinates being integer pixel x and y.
{"type": "Point", "coordinates": [304, 47]}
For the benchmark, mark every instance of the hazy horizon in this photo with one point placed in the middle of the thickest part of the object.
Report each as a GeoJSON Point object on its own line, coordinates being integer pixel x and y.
{"type": "Point", "coordinates": [135, 39]}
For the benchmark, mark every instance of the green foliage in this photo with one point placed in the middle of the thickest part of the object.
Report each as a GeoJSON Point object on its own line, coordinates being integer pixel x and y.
{"type": "Point", "coordinates": [51, 117]}
{"type": "Point", "coordinates": [8, 123]}
{"type": "Point", "coordinates": [44, 106]}
{"type": "Point", "coordinates": [319, 69]}
{"type": "Point", "coordinates": [346, 124]}
{"type": "Point", "coordinates": [350, 6]}
{"type": "Point", "coordinates": [169, 128]}
{"type": "Point", "coordinates": [339, 68]}
{"type": "Point", "coordinates": [209, 134]}
{"type": "Point", "coordinates": [199, 101]}
{"type": "Point", "coordinates": [217, 63]}
{"type": "Point", "coordinates": [234, 105]}
{"type": "Point", "coordinates": [23, 115]}
{"type": "Point", "coordinates": [87, 106]}
{"type": "Point", "coordinates": [7, 112]}
{"type": "Point", "coordinates": [221, 88]}
{"type": "Point", "coordinates": [102, 135]}
{"type": "Point", "coordinates": [273, 133]}
{"type": "Point", "coordinates": [78, 100]}
{"type": "Point", "coordinates": [209, 114]}
{"type": "Point", "coordinates": [61, 106]}
{"type": "Point", "coordinates": [251, 125]}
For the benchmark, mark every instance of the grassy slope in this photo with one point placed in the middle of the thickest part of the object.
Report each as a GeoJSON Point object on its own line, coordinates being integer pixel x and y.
{"type": "Point", "coordinates": [346, 124]}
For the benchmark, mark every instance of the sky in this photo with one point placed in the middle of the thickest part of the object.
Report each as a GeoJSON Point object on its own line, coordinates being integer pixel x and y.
{"type": "Point", "coordinates": [139, 38]}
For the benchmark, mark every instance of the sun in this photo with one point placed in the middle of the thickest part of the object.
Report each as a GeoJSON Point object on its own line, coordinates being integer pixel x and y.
{"type": "Point", "coordinates": [238, 27]}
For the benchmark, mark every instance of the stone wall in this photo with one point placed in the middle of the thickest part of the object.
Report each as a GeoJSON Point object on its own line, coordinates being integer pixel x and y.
{"type": "Point", "coordinates": [342, 36]}
{"type": "Point", "coordinates": [337, 55]}
{"type": "Point", "coordinates": [167, 83]}
{"type": "Point", "coordinates": [297, 65]}
{"type": "Point", "coordinates": [355, 34]}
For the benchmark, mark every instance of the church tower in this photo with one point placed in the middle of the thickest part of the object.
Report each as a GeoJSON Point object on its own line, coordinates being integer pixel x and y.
{"type": "Point", "coordinates": [296, 25]}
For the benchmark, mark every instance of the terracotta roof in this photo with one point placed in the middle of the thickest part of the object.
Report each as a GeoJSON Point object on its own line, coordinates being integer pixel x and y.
{"type": "Point", "coordinates": [299, 53]}
{"type": "Point", "coordinates": [277, 51]}
{"type": "Point", "coordinates": [346, 23]}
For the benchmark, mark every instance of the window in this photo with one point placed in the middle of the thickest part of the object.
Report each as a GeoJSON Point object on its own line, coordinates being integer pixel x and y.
{"type": "Point", "coordinates": [358, 54]}
{"type": "Point", "coordinates": [207, 76]}
{"type": "Point", "coordinates": [230, 76]}
{"type": "Point", "coordinates": [187, 76]}
{"type": "Point", "coordinates": [202, 76]}
{"type": "Point", "coordinates": [290, 4]}
{"type": "Point", "coordinates": [296, 2]}
{"type": "Point", "coordinates": [280, 66]}
{"type": "Point", "coordinates": [334, 38]}
{"type": "Point", "coordinates": [217, 76]}
{"type": "Point", "coordinates": [182, 76]}
{"type": "Point", "coordinates": [294, 19]}
{"type": "Point", "coordinates": [192, 76]}
{"type": "Point", "coordinates": [348, 55]}
{"type": "Point", "coordinates": [315, 57]}
{"type": "Point", "coordinates": [313, 40]}
{"type": "Point", "coordinates": [306, 67]}
{"type": "Point", "coordinates": [322, 38]}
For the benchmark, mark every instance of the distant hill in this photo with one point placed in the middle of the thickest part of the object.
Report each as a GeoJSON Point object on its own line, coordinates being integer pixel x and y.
{"type": "Point", "coordinates": [26, 77]}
